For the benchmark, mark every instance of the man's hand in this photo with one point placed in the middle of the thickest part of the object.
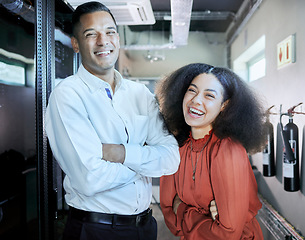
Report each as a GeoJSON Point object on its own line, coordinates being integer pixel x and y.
{"type": "Point", "coordinates": [176, 203]}
{"type": "Point", "coordinates": [114, 153]}
{"type": "Point", "coordinates": [213, 209]}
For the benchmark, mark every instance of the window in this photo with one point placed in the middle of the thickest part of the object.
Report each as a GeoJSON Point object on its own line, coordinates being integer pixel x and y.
{"type": "Point", "coordinates": [257, 67]}
{"type": "Point", "coordinates": [251, 64]}
{"type": "Point", "coordinates": [13, 74]}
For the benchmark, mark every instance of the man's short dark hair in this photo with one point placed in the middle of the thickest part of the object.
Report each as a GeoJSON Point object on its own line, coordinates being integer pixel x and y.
{"type": "Point", "coordinates": [88, 7]}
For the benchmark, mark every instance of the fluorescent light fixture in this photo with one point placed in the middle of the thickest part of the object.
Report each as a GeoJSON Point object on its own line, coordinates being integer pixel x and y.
{"type": "Point", "coordinates": [181, 11]}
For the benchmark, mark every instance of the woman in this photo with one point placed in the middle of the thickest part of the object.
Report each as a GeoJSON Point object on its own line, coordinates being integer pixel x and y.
{"type": "Point", "coordinates": [216, 120]}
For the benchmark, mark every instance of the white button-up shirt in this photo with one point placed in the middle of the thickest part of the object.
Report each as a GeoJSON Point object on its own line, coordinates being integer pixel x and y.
{"type": "Point", "coordinates": [81, 116]}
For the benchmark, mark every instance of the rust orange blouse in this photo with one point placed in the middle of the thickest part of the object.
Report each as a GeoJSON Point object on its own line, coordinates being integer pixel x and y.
{"type": "Point", "coordinates": [229, 180]}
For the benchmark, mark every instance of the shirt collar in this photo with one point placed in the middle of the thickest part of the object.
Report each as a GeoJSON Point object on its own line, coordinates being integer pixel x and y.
{"type": "Point", "coordinates": [94, 83]}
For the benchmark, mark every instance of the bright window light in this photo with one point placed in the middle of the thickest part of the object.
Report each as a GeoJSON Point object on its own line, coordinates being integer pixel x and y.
{"type": "Point", "coordinates": [251, 64]}
{"type": "Point", "coordinates": [12, 74]}
{"type": "Point", "coordinates": [257, 69]}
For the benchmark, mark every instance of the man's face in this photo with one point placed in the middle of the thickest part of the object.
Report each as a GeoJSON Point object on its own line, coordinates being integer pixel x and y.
{"type": "Point", "coordinates": [97, 40]}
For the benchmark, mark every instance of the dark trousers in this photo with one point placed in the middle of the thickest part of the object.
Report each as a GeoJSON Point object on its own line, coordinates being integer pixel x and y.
{"type": "Point", "coordinates": [79, 230]}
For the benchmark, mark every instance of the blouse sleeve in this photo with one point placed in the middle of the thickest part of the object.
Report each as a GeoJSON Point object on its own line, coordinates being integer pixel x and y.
{"type": "Point", "coordinates": [230, 181]}
{"type": "Point", "coordinates": [167, 195]}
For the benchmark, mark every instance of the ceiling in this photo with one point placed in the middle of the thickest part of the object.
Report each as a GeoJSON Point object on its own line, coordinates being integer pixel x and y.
{"type": "Point", "coordinates": [207, 15]}
{"type": "Point", "coordinates": [199, 19]}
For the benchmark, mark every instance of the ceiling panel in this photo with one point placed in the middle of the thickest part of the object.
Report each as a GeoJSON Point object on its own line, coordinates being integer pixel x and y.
{"type": "Point", "coordinates": [200, 8]}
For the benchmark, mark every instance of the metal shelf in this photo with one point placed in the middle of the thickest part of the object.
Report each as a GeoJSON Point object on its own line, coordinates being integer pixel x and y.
{"type": "Point", "coordinates": [276, 224]}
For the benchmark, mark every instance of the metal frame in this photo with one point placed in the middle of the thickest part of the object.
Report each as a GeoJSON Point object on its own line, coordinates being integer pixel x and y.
{"type": "Point", "coordinates": [45, 73]}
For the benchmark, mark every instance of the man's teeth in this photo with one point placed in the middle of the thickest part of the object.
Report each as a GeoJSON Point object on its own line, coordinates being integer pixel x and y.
{"type": "Point", "coordinates": [105, 52]}
{"type": "Point", "coordinates": [193, 110]}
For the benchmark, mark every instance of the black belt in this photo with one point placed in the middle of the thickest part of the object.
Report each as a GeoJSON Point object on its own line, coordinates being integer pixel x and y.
{"type": "Point", "coordinates": [112, 219]}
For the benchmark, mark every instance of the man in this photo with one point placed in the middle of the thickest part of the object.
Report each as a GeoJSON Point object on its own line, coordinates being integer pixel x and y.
{"type": "Point", "coordinates": [106, 135]}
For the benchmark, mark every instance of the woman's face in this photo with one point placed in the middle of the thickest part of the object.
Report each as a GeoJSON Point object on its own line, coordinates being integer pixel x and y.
{"type": "Point", "coordinates": [202, 103]}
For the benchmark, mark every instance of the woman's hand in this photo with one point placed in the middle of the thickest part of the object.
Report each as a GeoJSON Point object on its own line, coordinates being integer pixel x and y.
{"type": "Point", "coordinates": [176, 203]}
{"type": "Point", "coordinates": [213, 209]}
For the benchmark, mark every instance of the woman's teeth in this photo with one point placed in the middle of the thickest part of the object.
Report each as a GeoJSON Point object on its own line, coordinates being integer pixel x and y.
{"type": "Point", "coordinates": [196, 111]}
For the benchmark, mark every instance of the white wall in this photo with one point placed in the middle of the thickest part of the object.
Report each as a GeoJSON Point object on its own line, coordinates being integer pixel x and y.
{"type": "Point", "coordinates": [278, 19]}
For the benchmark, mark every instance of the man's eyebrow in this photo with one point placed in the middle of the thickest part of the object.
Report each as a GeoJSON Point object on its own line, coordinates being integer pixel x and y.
{"type": "Point", "coordinates": [92, 29]}
{"type": "Point", "coordinates": [87, 30]}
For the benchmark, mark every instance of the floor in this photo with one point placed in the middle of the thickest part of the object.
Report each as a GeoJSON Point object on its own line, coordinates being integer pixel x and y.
{"type": "Point", "coordinates": [163, 231]}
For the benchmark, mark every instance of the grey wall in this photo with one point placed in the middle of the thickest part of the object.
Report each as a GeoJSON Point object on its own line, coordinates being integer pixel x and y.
{"type": "Point", "coordinates": [278, 19]}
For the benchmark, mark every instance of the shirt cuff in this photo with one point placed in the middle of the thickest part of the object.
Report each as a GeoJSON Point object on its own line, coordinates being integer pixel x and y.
{"type": "Point", "coordinates": [132, 156]}
{"type": "Point", "coordinates": [101, 151]}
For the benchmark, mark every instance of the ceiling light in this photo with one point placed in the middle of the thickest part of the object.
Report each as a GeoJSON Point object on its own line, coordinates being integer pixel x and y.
{"type": "Point", "coordinates": [180, 23]}
{"type": "Point", "coordinates": [181, 11]}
